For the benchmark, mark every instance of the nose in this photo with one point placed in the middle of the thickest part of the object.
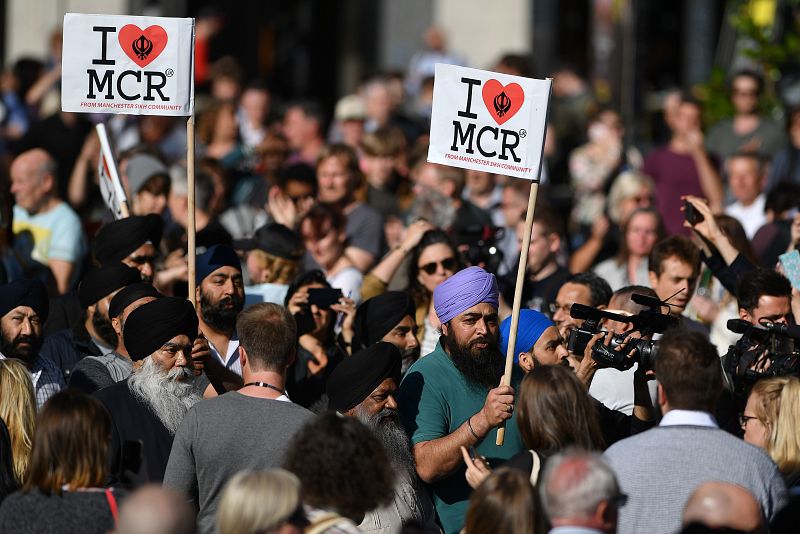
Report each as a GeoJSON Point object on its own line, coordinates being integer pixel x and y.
{"type": "Point", "coordinates": [26, 328]}
{"type": "Point", "coordinates": [562, 352]}
{"type": "Point", "coordinates": [481, 327]}
{"type": "Point", "coordinates": [391, 403]}
{"type": "Point", "coordinates": [146, 270]}
{"type": "Point", "coordinates": [181, 358]}
{"type": "Point", "coordinates": [411, 341]}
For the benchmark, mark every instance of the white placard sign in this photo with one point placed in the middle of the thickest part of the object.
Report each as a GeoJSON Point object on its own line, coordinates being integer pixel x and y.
{"type": "Point", "coordinates": [488, 121]}
{"type": "Point", "coordinates": [127, 64]}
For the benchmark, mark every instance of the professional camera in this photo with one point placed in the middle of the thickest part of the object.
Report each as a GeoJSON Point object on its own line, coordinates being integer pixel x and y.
{"type": "Point", "coordinates": [617, 353]}
{"type": "Point", "coordinates": [478, 244]}
{"type": "Point", "coordinates": [764, 350]}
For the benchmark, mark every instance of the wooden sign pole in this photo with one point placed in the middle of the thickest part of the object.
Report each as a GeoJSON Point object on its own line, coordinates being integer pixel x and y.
{"type": "Point", "coordinates": [523, 265]}
{"type": "Point", "coordinates": [191, 227]}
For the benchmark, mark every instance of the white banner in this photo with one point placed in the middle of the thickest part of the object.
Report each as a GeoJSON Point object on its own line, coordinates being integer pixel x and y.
{"type": "Point", "coordinates": [127, 64]}
{"type": "Point", "coordinates": [488, 121]}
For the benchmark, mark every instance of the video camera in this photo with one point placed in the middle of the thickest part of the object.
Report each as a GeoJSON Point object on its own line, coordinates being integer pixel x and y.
{"type": "Point", "coordinates": [764, 350]}
{"type": "Point", "coordinates": [617, 353]}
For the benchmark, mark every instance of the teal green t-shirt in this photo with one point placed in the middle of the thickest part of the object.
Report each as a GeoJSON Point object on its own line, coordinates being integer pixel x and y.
{"type": "Point", "coordinates": [435, 399]}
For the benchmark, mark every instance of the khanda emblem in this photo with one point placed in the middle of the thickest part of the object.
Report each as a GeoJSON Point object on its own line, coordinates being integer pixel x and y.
{"type": "Point", "coordinates": [143, 46]}
{"type": "Point", "coordinates": [502, 104]}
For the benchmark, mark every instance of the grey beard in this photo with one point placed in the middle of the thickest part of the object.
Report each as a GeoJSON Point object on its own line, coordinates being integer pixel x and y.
{"type": "Point", "coordinates": [167, 397]}
{"type": "Point", "coordinates": [393, 437]}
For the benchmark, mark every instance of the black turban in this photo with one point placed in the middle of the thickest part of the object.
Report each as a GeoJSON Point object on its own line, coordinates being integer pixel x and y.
{"type": "Point", "coordinates": [118, 239]}
{"type": "Point", "coordinates": [30, 293]}
{"type": "Point", "coordinates": [130, 294]}
{"type": "Point", "coordinates": [377, 316]}
{"type": "Point", "coordinates": [213, 258]}
{"type": "Point", "coordinates": [357, 376]}
{"type": "Point", "coordinates": [105, 280]}
{"type": "Point", "coordinates": [151, 325]}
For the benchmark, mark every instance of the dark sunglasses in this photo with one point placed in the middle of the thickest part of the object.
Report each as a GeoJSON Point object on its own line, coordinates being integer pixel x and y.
{"type": "Point", "coordinates": [448, 264]}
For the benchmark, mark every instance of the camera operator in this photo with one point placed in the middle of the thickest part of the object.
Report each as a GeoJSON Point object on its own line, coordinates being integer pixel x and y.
{"type": "Point", "coordinates": [674, 265]}
{"type": "Point", "coordinates": [583, 288]}
{"type": "Point", "coordinates": [764, 298]}
{"type": "Point", "coordinates": [615, 388]}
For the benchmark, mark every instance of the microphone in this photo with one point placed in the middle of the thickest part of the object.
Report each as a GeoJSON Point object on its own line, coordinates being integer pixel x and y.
{"type": "Point", "coordinates": [581, 311]}
{"type": "Point", "coordinates": [645, 300]}
{"type": "Point", "coordinates": [740, 326]}
{"type": "Point", "coordinates": [788, 330]}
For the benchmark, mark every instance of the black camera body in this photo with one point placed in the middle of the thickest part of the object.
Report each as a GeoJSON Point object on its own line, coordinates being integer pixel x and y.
{"type": "Point", "coordinates": [617, 353]}
{"type": "Point", "coordinates": [775, 342]}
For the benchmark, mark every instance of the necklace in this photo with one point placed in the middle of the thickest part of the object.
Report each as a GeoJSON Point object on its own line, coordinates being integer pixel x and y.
{"type": "Point", "coordinates": [265, 385]}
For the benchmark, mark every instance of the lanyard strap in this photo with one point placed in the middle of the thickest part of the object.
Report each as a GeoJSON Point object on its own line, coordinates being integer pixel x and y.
{"type": "Point", "coordinates": [265, 385]}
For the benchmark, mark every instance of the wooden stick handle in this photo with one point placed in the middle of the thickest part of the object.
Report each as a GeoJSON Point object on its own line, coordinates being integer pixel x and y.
{"type": "Point", "coordinates": [523, 265]}
{"type": "Point", "coordinates": [191, 227]}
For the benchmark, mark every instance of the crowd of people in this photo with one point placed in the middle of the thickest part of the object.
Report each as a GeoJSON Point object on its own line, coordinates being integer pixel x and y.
{"type": "Point", "coordinates": [341, 369]}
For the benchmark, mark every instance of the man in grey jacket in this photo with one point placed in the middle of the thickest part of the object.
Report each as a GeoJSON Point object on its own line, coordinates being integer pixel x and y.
{"type": "Point", "coordinates": [660, 468]}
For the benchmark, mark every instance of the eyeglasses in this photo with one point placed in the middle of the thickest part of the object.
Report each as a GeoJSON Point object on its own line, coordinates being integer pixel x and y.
{"type": "Point", "coordinates": [743, 419]}
{"type": "Point", "coordinates": [745, 92]}
{"type": "Point", "coordinates": [448, 264]}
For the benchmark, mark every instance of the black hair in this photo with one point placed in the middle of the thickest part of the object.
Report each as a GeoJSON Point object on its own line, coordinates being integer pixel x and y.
{"type": "Point", "coordinates": [309, 277]}
{"type": "Point", "coordinates": [760, 282]}
{"type": "Point", "coordinates": [599, 290]}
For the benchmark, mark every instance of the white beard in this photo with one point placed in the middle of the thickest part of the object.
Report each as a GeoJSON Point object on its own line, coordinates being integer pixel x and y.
{"type": "Point", "coordinates": [168, 397]}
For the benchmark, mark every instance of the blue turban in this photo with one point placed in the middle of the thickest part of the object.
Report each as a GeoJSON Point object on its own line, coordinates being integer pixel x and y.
{"type": "Point", "coordinates": [462, 291]}
{"type": "Point", "coordinates": [532, 325]}
{"type": "Point", "coordinates": [213, 258]}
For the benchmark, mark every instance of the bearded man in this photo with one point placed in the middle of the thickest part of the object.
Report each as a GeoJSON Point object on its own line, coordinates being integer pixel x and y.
{"type": "Point", "coordinates": [451, 397]}
{"type": "Point", "coordinates": [364, 386]}
{"type": "Point", "coordinates": [23, 311]}
{"type": "Point", "coordinates": [220, 294]}
{"type": "Point", "coordinates": [388, 317]}
{"type": "Point", "coordinates": [149, 406]}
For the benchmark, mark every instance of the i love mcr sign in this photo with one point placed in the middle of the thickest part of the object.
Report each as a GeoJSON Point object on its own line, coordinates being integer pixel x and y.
{"type": "Point", "coordinates": [126, 64]}
{"type": "Point", "coordinates": [488, 121]}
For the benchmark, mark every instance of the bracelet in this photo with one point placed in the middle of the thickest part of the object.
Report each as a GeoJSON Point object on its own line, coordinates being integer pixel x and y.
{"type": "Point", "coordinates": [472, 431]}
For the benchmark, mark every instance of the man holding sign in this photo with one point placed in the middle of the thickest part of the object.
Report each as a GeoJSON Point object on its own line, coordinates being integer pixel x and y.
{"type": "Point", "coordinates": [450, 398]}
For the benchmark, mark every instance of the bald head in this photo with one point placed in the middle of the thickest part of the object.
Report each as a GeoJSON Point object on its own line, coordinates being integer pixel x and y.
{"type": "Point", "coordinates": [155, 510]}
{"type": "Point", "coordinates": [724, 505]}
{"type": "Point", "coordinates": [33, 180]}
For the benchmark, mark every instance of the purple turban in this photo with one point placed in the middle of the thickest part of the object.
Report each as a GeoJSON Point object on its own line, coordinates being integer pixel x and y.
{"type": "Point", "coordinates": [464, 290]}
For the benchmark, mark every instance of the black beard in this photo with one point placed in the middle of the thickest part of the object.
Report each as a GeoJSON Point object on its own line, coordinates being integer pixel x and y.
{"type": "Point", "coordinates": [12, 349]}
{"type": "Point", "coordinates": [481, 367]}
{"type": "Point", "coordinates": [103, 328]}
{"type": "Point", "coordinates": [218, 315]}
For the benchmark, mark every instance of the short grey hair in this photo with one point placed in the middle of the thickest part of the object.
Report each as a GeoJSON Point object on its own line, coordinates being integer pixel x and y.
{"type": "Point", "coordinates": [574, 483]}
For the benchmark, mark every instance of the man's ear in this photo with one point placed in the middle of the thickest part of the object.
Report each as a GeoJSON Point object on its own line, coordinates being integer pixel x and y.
{"type": "Point", "coordinates": [662, 397]}
{"type": "Point", "coordinates": [526, 362]}
{"type": "Point", "coordinates": [744, 315]}
{"type": "Point", "coordinates": [444, 329]}
{"type": "Point", "coordinates": [117, 325]}
{"type": "Point", "coordinates": [242, 356]}
{"type": "Point", "coordinates": [555, 242]}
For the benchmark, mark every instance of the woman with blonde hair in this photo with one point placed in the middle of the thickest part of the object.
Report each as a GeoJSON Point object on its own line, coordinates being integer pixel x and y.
{"type": "Point", "coordinates": [769, 421]}
{"type": "Point", "coordinates": [18, 411]}
{"type": "Point", "coordinates": [263, 502]}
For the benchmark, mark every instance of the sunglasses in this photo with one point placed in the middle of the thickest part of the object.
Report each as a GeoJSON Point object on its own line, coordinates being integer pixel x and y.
{"type": "Point", "coordinates": [448, 264]}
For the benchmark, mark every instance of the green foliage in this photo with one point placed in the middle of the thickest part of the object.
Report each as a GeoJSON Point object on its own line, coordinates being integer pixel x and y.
{"type": "Point", "coordinates": [770, 52]}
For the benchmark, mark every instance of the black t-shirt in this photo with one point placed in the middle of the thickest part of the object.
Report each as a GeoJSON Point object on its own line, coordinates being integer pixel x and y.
{"type": "Point", "coordinates": [536, 295]}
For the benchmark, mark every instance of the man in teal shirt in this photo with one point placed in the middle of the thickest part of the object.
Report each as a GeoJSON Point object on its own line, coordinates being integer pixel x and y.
{"type": "Point", "coordinates": [451, 398]}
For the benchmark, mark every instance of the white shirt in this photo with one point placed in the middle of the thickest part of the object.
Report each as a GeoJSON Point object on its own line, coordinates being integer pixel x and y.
{"type": "Point", "coordinates": [688, 417]}
{"type": "Point", "coordinates": [752, 217]}
{"type": "Point", "coordinates": [231, 359]}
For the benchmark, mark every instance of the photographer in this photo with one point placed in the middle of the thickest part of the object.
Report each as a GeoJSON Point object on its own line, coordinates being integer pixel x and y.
{"type": "Point", "coordinates": [583, 288]}
{"type": "Point", "coordinates": [319, 348]}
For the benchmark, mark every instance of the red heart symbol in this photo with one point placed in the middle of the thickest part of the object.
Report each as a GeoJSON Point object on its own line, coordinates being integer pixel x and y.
{"type": "Point", "coordinates": [502, 102]}
{"type": "Point", "coordinates": [142, 46]}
